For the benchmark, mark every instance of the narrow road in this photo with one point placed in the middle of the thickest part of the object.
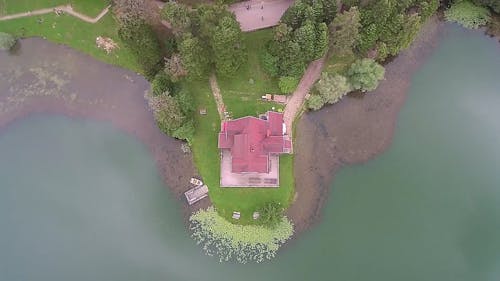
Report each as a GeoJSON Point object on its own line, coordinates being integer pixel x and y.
{"type": "Point", "coordinates": [66, 8]}
{"type": "Point", "coordinates": [256, 14]}
{"type": "Point", "coordinates": [311, 75]}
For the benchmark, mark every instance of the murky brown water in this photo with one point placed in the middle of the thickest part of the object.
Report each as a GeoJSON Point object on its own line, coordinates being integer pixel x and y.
{"type": "Point", "coordinates": [353, 130]}
{"type": "Point", "coordinates": [42, 77]}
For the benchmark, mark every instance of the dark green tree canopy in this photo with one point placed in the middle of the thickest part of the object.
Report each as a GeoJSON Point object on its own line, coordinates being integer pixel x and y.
{"type": "Point", "coordinates": [227, 45]}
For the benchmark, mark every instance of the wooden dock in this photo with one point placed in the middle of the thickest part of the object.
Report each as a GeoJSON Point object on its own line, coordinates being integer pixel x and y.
{"type": "Point", "coordinates": [196, 193]}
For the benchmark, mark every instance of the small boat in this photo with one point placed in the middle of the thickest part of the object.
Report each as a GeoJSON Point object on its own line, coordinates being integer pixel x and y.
{"type": "Point", "coordinates": [196, 182]}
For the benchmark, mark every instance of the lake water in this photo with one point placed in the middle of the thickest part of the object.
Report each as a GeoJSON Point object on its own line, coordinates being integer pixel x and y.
{"type": "Point", "coordinates": [80, 200]}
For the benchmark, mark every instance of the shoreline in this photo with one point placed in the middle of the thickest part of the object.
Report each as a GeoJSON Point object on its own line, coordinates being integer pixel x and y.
{"type": "Point", "coordinates": [363, 127]}
{"type": "Point", "coordinates": [352, 131]}
{"type": "Point", "coordinates": [70, 83]}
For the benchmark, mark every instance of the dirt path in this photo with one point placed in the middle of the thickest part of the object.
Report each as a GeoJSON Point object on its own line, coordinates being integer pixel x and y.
{"type": "Point", "coordinates": [255, 14]}
{"type": "Point", "coordinates": [65, 8]}
{"type": "Point", "coordinates": [217, 97]}
{"type": "Point", "coordinates": [312, 73]}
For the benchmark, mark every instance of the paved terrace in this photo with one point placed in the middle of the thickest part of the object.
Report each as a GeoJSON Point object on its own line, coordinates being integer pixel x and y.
{"type": "Point", "coordinates": [254, 14]}
{"type": "Point", "coordinates": [229, 179]}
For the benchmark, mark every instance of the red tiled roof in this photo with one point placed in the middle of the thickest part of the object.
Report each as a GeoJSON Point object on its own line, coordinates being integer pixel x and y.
{"type": "Point", "coordinates": [251, 140]}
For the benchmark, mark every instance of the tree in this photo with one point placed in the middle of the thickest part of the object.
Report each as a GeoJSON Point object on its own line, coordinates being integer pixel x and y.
{"type": "Point", "coordinates": [291, 60]}
{"type": "Point", "coordinates": [305, 37]}
{"type": "Point", "coordinates": [467, 14]}
{"type": "Point", "coordinates": [167, 112]}
{"type": "Point", "coordinates": [296, 14]}
{"type": "Point", "coordinates": [194, 56]}
{"type": "Point", "coordinates": [209, 17]}
{"type": "Point", "coordinates": [330, 10]}
{"type": "Point", "coordinates": [271, 214]}
{"type": "Point", "coordinates": [315, 102]}
{"type": "Point", "coordinates": [365, 75]}
{"type": "Point", "coordinates": [332, 87]}
{"type": "Point", "coordinates": [126, 10]}
{"type": "Point", "coordinates": [7, 41]}
{"type": "Point", "coordinates": [400, 32]}
{"type": "Point", "coordinates": [161, 84]}
{"type": "Point", "coordinates": [175, 68]}
{"type": "Point", "coordinates": [493, 4]}
{"type": "Point", "coordinates": [228, 48]}
{"type": "Point", "coordinates": [428, 8]}
{"type": "Point", "coordinates": [321, 42]}
{"type": "Point", "coordinates": [344, 31]}
{"type": "Point", "coordinates": [288, 84]}
{"type": "Point", "coordinates": [178, 15]}
{"type": "Point", "coordinates": [269, 63]}
{"type": "Point", "coordinates": [141, 39]}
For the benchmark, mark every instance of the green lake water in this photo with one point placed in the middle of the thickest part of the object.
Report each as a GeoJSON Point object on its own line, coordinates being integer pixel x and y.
{"type": "Point", "coordinates": [80, 200]}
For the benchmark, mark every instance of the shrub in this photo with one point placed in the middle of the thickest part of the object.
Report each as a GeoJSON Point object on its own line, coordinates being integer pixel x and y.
{"type": "Point", "coordinates": [269, 63]}
{"type": "Point", "coordinates": [315, 102]}
{"type": "Point", "coordinates": [161, 84]}
{"type": "Point", "coordinates": [271, 214]}
{"type": "Point", "coordinates": [467, 14]}
{"type": "Point", "coordinates": [332, 87]}
{"type": "Point", "coordinates": [365, 74]}
{"type": "Point", "coordinates": [7, 41]}
{"type": "Point", "coordinates": [241, 243]}
{"type": "Point", "coordinates": [175, 67]}
{"type": "Point", "coordinates": [288, 84]}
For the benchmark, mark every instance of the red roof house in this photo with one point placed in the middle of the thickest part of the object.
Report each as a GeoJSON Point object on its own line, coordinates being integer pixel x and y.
{"type": "Point", "coordinates": [251, 140]}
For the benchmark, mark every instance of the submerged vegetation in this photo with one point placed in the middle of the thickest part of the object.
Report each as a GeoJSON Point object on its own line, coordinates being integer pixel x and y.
{"type": "Point", "coordinates": [230, 242]}
{"type": "Point", "coordinates": [467, 14]}
{"type": "Point", "coordinates": [7, 41]}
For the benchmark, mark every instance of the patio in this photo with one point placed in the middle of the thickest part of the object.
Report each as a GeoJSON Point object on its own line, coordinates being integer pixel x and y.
{"type": "Point", "coordinates": [229, 179]}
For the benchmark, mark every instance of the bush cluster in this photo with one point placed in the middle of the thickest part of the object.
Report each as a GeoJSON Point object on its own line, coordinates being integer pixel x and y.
{"type": "Point", "coordinates": [363, 75]}
{"type": "Point", "coordinates": [173, 112]}
{"type": "Point", "coordinates": [241, 243]}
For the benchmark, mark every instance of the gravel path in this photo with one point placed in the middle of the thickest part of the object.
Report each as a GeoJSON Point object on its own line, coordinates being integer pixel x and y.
{"type": "Point", "coordinates": [217, 96]}
{"type": "Point", "coordinates": [312, 73]}
{"type": "Point", "coordinates": [65, 8]}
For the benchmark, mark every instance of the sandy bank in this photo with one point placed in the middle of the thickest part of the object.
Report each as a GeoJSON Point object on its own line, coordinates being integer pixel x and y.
{"type": "Point", "coordinates": [352, 131]}
{"type": "Point", "coordinates": [48, 78]}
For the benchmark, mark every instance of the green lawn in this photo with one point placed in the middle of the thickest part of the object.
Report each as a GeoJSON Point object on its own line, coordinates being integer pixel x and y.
{"type": "Point", "coordinates": [88, 7]}
{"type": "Point", "coordinates": [75, 33]}
{"type": "Point", "coordinates": [241, 96]}
{"type": "Point", "coordinates": [339, 64]}
{"type": "Point", "coordinates": [241, 99]}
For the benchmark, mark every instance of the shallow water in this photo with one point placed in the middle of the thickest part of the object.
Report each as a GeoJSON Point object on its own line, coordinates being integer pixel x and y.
{"type": "Point", "coordinates": [80, 200]}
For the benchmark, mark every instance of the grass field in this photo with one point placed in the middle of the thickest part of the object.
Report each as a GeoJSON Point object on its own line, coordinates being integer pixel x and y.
{"type": "Point", "coordinates": [241, 96]}
{"type": "Point", "coordinates": [339, 64]}
{"type": "Point", "coordinates": [71, 31]}
{"type": "Point", "coordinates": [241, 99]}
{"type": "Point", "coordinates": [88, 7]}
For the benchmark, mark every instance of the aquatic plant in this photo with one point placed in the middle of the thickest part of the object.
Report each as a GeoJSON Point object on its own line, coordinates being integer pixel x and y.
{"type": "Point", "coordinates": [467, 14]}
{"type": "Point", "coordinates": [7, 41]}
{"type": "Point", "coordinates": [241, 243]}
